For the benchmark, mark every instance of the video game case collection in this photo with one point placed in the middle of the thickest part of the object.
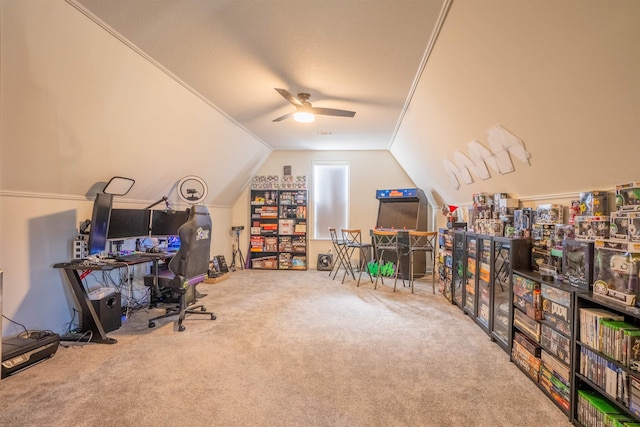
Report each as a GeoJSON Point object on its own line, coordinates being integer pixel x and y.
{"type": "Point", "coordinates": [594, 410]}
{"type": "Point", "coordinates": [610, 356]}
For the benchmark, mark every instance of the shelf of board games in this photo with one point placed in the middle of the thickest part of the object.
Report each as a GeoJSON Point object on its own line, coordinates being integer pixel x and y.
{"type": "Point", "coordinates": [607, 360]}
{"type": "Point", "coordinates": [278, 238]}
{"type": "Point", "coordinates": [542, 334]}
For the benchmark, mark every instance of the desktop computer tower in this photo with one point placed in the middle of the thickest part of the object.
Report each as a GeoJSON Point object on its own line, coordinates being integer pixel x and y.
{"type": "Point", "coordinates": [108, 309]}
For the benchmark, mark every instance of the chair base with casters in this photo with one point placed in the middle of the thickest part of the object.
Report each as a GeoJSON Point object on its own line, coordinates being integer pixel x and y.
{"type": "Point", "coordinates": [186, 297]}
{"type": "Point", "coordinates": [189, 267]}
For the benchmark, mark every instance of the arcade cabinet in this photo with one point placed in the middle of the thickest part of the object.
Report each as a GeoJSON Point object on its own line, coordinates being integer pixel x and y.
{"type": "Point", "coordinates": [403, 209]}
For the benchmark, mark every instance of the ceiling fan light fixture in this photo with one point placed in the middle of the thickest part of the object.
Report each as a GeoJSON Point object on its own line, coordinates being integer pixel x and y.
{"type": "Point", "coordinates": [303, 117]}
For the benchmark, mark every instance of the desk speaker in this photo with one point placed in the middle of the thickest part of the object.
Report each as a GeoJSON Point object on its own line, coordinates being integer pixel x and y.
{"type": "Point", "coordinates": [109, 312]}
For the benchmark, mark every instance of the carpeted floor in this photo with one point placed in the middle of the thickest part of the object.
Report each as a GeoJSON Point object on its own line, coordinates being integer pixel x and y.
{"type": "Point", "coordinates": [289, 348]}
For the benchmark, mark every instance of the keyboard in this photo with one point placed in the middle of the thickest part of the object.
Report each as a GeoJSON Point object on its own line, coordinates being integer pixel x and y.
{"type": "Point", "coordinates": [142, 256]}
{"type": "Point", "coordinates": [130, 258]}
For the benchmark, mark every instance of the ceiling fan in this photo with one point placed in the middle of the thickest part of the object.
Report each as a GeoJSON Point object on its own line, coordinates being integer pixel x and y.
{"type": "Point", "coordinates": [305, 112]}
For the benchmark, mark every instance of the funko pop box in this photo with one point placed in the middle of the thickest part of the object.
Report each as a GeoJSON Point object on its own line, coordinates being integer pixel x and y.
{"type": "Point", "coordinates": [628, 197]}
{"type": "Point", "coordinates": [577, 263]}
{"type": "Point", "coordinates": [594, 203]}
{"type": "Point", "coordinates": [615, 270]}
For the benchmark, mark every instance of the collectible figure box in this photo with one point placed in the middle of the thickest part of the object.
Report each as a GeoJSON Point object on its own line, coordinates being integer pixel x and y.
{"type": "Point", "coordinates": [592, 227]}
{"type": "Point", "coordinates": [628, 197]}
{"type": "Point", "coordinates": [616, 267]}
{"type": "Point", "coordinates": [577, 263]}
{"type": "Point", "coordinates": [582, 227]}
{"type": "Point", "coordinates": [539, 256]}
{"type": "Point", "coordinates": [507, 206]}
{"type": "Point", "coordinates": [543, 235]}
{"type": "Point", "coordinates": [619, 226]}
{"type": "Point", "coordinates": [561, 232]}
{"type": "Point", "coordinates": [594, 203]}
{"type": "Point", "coordinates": [549, 214]}
{"type": "Point", "coordinates": [600, 226]}
{"type": "Point", "coordinates": [634, 227]}
{"type": "Point", "coordinates": [522, 222]}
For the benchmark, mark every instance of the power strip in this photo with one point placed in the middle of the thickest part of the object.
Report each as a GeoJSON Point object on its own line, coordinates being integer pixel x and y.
{"type": "Point", "coordinates": [79, 249]}
{"type": "Point", "coordinates": [100, 293]}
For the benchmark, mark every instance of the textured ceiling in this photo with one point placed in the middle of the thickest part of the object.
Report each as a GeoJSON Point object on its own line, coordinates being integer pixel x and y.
{"type": "Point", "coordinates": [358, 55]}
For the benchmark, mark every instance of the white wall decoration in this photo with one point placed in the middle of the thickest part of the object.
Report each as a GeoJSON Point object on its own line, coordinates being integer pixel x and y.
{"type": "Point", "coordinates": [452, 171]}
{"type": "Point", "coordinates": [465, 165]}
{"type": "Point", "coordinates": [475, 163]}
{"type": "Point", "coordinates": [503, 144]}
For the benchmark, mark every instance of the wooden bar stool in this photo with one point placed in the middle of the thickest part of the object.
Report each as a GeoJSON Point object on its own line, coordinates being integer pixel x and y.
{"type": "Point", "coordinates": [423, 241]}
{"type": "Point", "coordinates": [386, 241]}
{"type": "Point", "coordinates": [352, 239]}
{"type": "Point", "coordinates": [339, 247]}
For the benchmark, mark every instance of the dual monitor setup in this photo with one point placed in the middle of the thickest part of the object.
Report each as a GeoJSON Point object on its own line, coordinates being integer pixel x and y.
{"type": "Point", "coordinates": [119, 224]}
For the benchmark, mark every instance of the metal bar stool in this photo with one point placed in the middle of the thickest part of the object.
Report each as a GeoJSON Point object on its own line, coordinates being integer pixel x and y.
{"type": "Point", "coordinates": [352, 239]}
{"type": "Point", "coordinates": [423, 241]}
{"type": "Point", "coordinates": [339, 247]}
{"type": "Point", "coordinates": [386, 241]}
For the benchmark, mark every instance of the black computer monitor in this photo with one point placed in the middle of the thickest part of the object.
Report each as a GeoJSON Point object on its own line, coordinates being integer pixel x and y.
{"type": "Point", "coordinates": [129, 223]}
{"type": "Point", "coordinates": [166, 223]}
{"type": "Point", "coordinates": [100, 223]}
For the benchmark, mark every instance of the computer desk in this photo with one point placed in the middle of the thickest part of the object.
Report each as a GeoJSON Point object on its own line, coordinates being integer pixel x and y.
{"type": "Point", "coordinates": [71, 269]}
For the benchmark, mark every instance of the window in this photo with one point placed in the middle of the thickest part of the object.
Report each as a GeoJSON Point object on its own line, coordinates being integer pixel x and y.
{"type": "Point", "coordinates": [330, 197]}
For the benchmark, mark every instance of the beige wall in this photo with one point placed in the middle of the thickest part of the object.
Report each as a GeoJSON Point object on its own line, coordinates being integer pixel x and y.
{"type": "Point", "coordinates": [81, 106]}
{"type": "Point", "coordinates": [563, 76]}
{"type": "Point", "coordinates": [369, 171]}
{"type": "Point", "coordinates": [78, 107]}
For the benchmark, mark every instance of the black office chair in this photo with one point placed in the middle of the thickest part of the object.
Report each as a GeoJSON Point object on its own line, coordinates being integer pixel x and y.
{"type": "Point", "coordinates": [189, 266]}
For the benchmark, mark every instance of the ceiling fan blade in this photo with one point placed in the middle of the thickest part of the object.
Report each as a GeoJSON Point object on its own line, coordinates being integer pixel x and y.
{"type": "Point", "coordinates": [332, 112]}
{"type": "Point", "coordinates": [281, 118]}
{"type": "Point", "coordinates": [287, 95]}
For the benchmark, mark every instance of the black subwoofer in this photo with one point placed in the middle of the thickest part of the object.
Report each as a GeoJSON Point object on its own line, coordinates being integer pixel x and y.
{"type": "Point", "coordinates": [109, 312]}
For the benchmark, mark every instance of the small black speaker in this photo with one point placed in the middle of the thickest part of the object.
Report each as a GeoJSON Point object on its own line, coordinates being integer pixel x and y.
{"type": "Point", "coordinates": [109, 311]}
{"type": "Point", "coordinates": [325, 262]}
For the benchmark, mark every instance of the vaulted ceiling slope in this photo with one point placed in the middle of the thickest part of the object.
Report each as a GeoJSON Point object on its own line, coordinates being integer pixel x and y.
{"type": "Point", "coordinates": [356, 55]}
{"type": "Point", "coordinates": [85, 99]}
{"type": "Point", "coordinates": [563, 76]}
